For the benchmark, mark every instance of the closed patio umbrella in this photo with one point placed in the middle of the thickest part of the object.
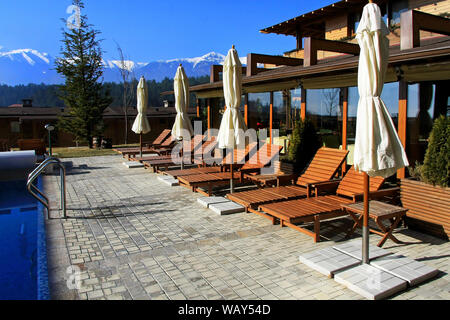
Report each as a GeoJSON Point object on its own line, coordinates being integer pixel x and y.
{"type": "Point", "coordinates": [232, 121]}
{"type": "Point", "coordinates": [141, 125]}
{"type": "Point", "coordinates": [378, 149]}
{"type": "Point", "coordinates": [182, 122]}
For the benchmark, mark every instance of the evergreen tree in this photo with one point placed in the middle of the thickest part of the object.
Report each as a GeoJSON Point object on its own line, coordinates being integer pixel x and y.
{"type": "Point", "coordinates": [82, 93]}
{"type": "Point", "coordinates": [304, 144]}
{"type": "Point", "coordinates": [436, 165]}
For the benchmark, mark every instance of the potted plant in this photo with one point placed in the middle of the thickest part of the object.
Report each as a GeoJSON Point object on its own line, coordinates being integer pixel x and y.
{"type": "Point", "coordinates": [427, 194]}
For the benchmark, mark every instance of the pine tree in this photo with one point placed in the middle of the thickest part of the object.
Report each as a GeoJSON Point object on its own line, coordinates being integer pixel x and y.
{"type": "Point", "coordinates": [436, 165]}
{"type": "Point", "coordinates": [82, 93]}
{"type": "Point", "coordinates": [304, 144]}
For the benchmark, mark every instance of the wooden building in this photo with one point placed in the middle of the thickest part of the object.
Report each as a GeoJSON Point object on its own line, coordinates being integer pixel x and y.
{"type": "Point", "coordinates": [27, 122]}
{"type": "Point", "coordinates": [318, 79]}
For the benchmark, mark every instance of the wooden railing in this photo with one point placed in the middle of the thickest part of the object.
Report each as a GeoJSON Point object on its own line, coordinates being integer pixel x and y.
{"type": "Point", "coordinates": [215, 71]}
{"type": "Point", "coordinates": [254, 58]}
{"type": "Point", "coordinates": [312, 45]}
{"type": "Point", "coordinates": [412, 21]}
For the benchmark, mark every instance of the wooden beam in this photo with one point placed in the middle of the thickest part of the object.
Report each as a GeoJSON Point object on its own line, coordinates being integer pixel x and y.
{"type": "Point", "coordinates": [208, 101]}
{"type": "Point", "coordinates": [215, 70]}
{"type": "Point", "coordinates": [246, 109]}
{"type": "Point", "coordinates": [271, 117]}
{"type": "Point", "coordinates": [303, 104]}
{"type": "Point", "coordinates": [299, 38]}
{"type": "Point", "coordinates": [344, 124]}
{"type": "Point", "coordinates": [402, 118]}
{"type": "Point", "coordinates": [254, 58]}
{"type": "Point", "coordinates": [214, 73]}
{"type": "Point", "coordinates": [198, 107]}
{"type": "Point", "coordinates": [312, 45]}
{"type": "Point", "coordinates": [412, 21]}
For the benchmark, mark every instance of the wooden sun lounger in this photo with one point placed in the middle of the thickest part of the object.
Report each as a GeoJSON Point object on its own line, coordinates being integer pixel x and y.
{"type": "Point", "coordinates": [323, 167]}
{"type": "Point", "coordinates": [190, 145]}
{"type": "Point", "coordinates": [157, 142]}
{"type": "Point", "coordinates": [291, 213]}
{"type": "Point", "coordinates": [261, 158]}
{"type": "Point", "coordinates": [239, 157]}
{"type": "Point", "coordinates": [208, 147]}
{"type": "Point", "coordinates": [163, 149]}
{"type": "Point", "coordinates": [165, 161]}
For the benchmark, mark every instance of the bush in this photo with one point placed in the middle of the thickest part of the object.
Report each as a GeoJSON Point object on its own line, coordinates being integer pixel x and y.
{"type": "Point", "coordinates": [304, 144]}
{"type": "Point", "coordinates": [436, 165]}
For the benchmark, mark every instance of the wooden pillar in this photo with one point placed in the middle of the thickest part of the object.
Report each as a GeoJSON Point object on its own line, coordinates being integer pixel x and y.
{"type": "Point", "coordinates": [246, 109]}
{"type": "Point", "coordinates": [208, 116]}
{"type": "Point", "coordinates": [402, 118]}
{"type": "Point", "coordinates": [344, 124]}
{"type": "Point", "coordinates": [299, 40]}
{"type": "Point", "coordinates": [271, 117]}
{"type": "Point", "coordinates": [303, 104]}
{"type": "Point", "coordinates": [198, 108]}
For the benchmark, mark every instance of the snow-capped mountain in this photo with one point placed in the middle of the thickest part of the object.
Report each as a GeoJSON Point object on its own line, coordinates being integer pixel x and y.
{"type": "Point", "coordinates": [25, 66]}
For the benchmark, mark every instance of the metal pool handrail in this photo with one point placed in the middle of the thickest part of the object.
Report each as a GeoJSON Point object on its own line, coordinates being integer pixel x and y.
{"type": "Point", "coordinates": [36, 193]}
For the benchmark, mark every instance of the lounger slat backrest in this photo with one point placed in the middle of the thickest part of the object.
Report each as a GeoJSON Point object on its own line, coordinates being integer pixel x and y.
{"type": "Point", "coordinates": [168, 142]}
{"type": "Point", "coordinates": [162, 136]}
{"type": "Point", "coordinates": [353, 183]}
{"type": "Point", "coordinates": [264, 156]}
{"type": "Point", "coordinates": [193, 143]}
{"type": "Point", "coordinates": [323, 166]}
{"type": "Point", "coordinates": [205, 151]}
{"type": "Point", "coordinates": [240, 154]}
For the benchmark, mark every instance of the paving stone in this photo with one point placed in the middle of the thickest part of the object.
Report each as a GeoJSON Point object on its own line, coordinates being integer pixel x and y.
{"type": "Point", "coordinates": [170, 181]}
{"type": "Point", "coordinates": [354, 248]}
{"type": "Point", "coordinates": [404, 268]}
{"type": "Point", "coordinates": [225, 208]}
{"type": "Point", "coordinates": [133, 164]}
{"type": "Point", "coordinates": [206, 201]}
{"type": "Point", "coordinates": [144, 234]}
{"type": "Point", "coordinates": [370, 282]}
{"type": "Point", "coordinates": [328, 261]}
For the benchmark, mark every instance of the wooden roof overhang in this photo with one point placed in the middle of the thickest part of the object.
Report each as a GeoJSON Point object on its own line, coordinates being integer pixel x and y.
{"type": "Point", "coordinates": [428, 62]}
{"type": "Point", "coordinates": [312, 24]}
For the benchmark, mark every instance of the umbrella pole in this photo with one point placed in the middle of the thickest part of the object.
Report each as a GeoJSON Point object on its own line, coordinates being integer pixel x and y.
{"type": "Point", "coordinates": [182, 155]}
{"type": "Point", "coordinates": [365, 229]}
{"type": "Point", "coordinates": [140, 142]}
{"type": "Point", "coordinates": [231, 170]}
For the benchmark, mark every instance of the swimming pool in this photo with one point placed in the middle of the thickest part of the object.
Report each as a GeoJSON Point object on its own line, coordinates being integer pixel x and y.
{"type": "Point", "coordinates": [23, 253]}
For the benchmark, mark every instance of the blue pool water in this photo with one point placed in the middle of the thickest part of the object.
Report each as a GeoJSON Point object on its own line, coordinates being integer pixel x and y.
{"type": "Point", "coordinates": [23, 259]}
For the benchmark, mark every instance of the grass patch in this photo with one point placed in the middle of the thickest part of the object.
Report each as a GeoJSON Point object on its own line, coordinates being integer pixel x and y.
{"type": "Point", "coordinates": [77, 152]}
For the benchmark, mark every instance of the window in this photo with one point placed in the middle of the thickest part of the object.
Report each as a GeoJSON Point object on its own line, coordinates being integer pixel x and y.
{"type": "Point", "coordinates": [15, 127]}
{"type": "Point", "coordinates": [323, 107]}
{"type": "Point", "coordinates": [426, 102]}
{"type": "Point", "coordinates": [279, 112]}
{"type": "Point", "coordinates": [258, 110]}
{"type": "Point", "coordinates": [395, 9]}
{"type": "Point", "coordinates": [390, 98]}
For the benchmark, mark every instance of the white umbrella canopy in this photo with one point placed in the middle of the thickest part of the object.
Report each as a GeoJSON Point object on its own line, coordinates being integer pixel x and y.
{"type": "Point", "coordinates": [378, 150]}
{"type": "Point", "coordinates": [181, 91]}
{"type": "Point", "coordinates": [141, 125]}
{"type": "Point", "coordinates": [232, 125]}
{"type": "Point", "coordinates": [232, 120]}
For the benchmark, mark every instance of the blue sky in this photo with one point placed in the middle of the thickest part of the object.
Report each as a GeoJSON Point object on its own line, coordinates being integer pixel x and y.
{"type": "Point", "coordinates": [149, 30]}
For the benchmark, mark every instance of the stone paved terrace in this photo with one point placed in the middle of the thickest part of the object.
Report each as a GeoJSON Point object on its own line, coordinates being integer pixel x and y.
{"type": "Point", "coordinates": [134, 237]}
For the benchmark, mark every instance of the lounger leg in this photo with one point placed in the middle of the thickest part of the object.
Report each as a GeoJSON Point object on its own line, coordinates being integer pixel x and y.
{"type": "Point", "coordinates": [316, 229]}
